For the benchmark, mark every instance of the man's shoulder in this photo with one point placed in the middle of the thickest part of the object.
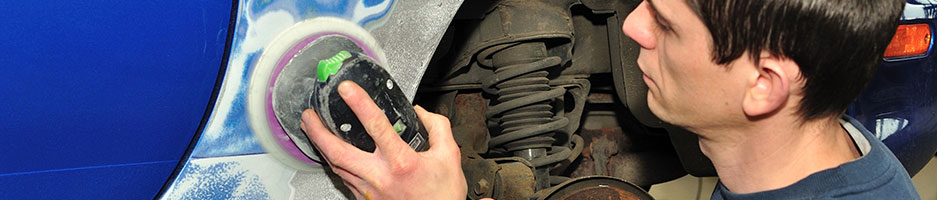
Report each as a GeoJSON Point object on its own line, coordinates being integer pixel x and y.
{"type": "Point", "coordinates": [892, 184]}
{"type": "Point", "coordinates": [876, 175]}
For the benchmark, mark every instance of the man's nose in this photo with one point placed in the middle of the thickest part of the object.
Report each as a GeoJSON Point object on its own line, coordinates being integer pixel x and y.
{"type": "Point", "coordinates": [640, 26]}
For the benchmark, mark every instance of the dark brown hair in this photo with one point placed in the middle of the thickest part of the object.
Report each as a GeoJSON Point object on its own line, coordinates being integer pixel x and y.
{"type": "Point", "coordinates": [838, 44]}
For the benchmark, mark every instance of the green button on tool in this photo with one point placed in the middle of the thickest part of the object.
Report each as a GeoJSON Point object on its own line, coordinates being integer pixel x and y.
{"type": "Point", "coordinates": [399, 126]}
{"type": "Point", "coordinates": [329, 66]}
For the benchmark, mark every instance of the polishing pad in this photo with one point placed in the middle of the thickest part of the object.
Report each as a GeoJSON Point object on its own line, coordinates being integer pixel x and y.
{"type": "Point", "coordinates": [283, 79]}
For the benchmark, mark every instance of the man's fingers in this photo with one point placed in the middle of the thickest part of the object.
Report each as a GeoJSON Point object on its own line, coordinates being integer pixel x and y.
{"type": "Point", "coordinates": [375, 122]}
{"type": "Point", "coordinates": [328, 144]}
{"type": "Point", "coordinates": [357, 180]}
{"type": "Point", "coordinates": [438, 128]}
{"type": "Point", "coordinates": [348, 162]}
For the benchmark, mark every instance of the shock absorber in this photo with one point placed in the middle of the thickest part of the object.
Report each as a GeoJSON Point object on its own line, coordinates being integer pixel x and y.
{"type": "Point", "coordinates": [523, 107]}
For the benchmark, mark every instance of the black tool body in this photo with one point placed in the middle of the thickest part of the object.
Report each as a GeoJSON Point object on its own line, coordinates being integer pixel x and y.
{"type": "Point", "coordinates": [339, 118]}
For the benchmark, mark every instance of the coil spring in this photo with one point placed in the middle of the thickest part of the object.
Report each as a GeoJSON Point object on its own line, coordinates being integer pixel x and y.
{"type": "Point", "coordinates": [523, 110]}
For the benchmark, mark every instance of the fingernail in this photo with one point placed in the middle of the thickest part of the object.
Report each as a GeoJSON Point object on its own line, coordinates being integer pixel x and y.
{"type": "Point", "coordinates": [307, 114]}
{"type": "Point", "coordinates": [344, 88]}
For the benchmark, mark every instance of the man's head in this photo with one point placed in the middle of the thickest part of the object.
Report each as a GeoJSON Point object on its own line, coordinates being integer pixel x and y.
{"type": "Point", "coordinates": [707, 59]}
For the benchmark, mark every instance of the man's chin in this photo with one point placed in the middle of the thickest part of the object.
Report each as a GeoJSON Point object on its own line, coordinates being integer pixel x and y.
{"type": "Point", "coordinates": [656, 109]}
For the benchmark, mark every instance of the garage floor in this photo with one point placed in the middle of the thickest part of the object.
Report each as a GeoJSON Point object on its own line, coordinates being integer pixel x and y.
{"type": "Point", "coordinates": [690, 187]}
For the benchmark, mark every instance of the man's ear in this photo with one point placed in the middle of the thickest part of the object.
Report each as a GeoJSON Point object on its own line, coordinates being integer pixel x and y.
{"type": "Point", "coordinates": [769, 86]}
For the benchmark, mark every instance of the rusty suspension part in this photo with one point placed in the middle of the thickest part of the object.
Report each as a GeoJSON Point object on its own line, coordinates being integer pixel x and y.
{"type": "Point", "coordinates": [523, 110]}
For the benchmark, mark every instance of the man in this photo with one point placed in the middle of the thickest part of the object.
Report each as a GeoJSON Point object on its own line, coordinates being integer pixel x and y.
{"type": "Point", "coordinates": [764, 83]}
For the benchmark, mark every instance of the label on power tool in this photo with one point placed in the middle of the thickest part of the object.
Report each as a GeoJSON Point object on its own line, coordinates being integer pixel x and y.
{"type": "Point", "coordinates": [339, 118]}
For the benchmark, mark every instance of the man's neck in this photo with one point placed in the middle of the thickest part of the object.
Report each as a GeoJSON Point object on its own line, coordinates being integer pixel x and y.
{"type": "Point", "coordinates": [773, 154]}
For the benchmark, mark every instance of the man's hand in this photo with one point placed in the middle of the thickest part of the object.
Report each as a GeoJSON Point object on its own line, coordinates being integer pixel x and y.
{"type": "Point", "coordinates": [394, 170]}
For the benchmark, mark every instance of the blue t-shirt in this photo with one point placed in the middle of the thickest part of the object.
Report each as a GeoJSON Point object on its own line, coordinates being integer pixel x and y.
{"type": "Point", "coordinates": [875, 175]}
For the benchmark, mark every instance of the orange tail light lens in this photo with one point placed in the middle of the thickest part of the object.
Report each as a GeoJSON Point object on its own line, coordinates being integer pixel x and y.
{"type": "Point", "coordinates": [909, 40]}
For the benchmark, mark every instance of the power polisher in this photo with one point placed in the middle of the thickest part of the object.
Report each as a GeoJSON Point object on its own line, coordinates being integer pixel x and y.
{"type": "Point", "coordinates": [301, 69]}
{"type": "Point", "coordinates": [339, 118]}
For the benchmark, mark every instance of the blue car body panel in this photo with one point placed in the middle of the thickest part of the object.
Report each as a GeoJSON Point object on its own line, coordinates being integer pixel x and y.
{"type": "Point", "coordinates": [900, 103]}
{"type": "Point", "coordinates": [100, 99]}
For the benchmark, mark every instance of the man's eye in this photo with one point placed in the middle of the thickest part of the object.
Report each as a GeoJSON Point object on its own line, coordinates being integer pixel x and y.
{"type": "Point", "coordinates": [662, 24]}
